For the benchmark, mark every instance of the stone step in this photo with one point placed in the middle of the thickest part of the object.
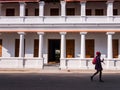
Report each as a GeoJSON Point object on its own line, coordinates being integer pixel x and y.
{"type": "Point", "coordinates": [51, 66]}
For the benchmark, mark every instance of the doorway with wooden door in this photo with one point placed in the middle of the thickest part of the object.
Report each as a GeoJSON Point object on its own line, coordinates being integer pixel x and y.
{"type": "Point", "coordinates": [115, 48]}
{"type": "Point", "coordinates": [70, 44]}
{"type": "Point", "coordinates": [53, 50]}
{"type": "Point", "coordinates": [89, 48]}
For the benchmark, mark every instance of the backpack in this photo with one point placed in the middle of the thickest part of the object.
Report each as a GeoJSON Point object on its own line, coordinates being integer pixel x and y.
{"type": "Point", "coordinates": [94, 60]}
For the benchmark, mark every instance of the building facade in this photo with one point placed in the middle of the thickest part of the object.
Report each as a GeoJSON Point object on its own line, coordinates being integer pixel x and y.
{"type": "Point", "coordinates": [69, 32]}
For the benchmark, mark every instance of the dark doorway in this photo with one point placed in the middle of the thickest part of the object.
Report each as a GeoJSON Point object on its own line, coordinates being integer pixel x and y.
{"type": "Point", "coordinates": [54, 50]}
{"type": "Point", "coordinates": [89, 48]}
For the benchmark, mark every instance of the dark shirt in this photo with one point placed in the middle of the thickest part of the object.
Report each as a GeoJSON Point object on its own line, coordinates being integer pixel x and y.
{"type": "Point", "coordinates": [98, 65]}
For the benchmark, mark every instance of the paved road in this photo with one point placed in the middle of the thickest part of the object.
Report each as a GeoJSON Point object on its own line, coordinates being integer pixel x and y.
{"type": "Point", "coordinates": [60, 81]}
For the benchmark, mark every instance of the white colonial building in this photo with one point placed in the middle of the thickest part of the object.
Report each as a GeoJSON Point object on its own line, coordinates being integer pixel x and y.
{"type": "Point", "coordinates": [34, 33]}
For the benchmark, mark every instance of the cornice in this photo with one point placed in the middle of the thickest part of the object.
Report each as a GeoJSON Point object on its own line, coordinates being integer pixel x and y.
{"type": "Point", "coordinates": [88, 27]}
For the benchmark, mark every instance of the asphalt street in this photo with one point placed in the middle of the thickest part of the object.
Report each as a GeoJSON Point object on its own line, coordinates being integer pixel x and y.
{"type": "Point", "coordinates": [58, 81]}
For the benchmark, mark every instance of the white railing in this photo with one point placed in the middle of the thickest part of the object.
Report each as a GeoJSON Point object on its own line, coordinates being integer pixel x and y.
{"type": "Point", "coordinates": [16, 62]}
{"type": "Point", "coordinates": [66, 63]}
{"type": "Point", "coordinates": [58, 19]}
{"type": "Point", "coordinates": [77, 63]}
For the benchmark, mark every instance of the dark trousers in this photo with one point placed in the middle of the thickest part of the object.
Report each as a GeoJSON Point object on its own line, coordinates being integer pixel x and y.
{"type": "Point", "coordinates": [100, 74]}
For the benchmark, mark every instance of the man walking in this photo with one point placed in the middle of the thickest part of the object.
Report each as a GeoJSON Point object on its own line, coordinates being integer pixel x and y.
{"type": "Point", "coordinates": [98, 67]}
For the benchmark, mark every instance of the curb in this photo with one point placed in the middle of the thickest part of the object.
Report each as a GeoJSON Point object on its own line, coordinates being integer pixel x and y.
{"type": "Point", "coordinates": [53, 71]}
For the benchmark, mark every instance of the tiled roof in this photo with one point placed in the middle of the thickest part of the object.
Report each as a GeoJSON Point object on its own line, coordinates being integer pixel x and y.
{"type": "Point", "coordinates": [92, 0]}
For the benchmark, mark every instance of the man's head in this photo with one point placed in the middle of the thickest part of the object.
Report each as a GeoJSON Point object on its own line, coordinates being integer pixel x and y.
{"type": "Point", "coordinates": [98, 53]}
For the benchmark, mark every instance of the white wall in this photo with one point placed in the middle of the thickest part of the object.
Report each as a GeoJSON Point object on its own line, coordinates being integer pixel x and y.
{"type": "Point", "coordinates": [9, 42]}
{"type": "Point", "coordinates": [96, 5]}
{"type": "Point", "coordinates": [76, 37]}
{"type": "Point", "coordinates": [29, 43]}
{"type": "Point", "coordinates": [117, 36]}
{"type": "Point", "coordinates": [100, 41]}
{"type": "Point", "coordinates": [10, 5]}
{"type": "Point", "coordinates": [45, 46]}
{"type": "Point", "coordinates": [77, 7]}
{"type": "Point", "coordinates": [117, 6]}
{"type": "Point", "coordinates": [48, 6]}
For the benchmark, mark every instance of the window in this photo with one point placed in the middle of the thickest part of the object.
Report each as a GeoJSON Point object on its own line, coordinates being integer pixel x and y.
{"type": "Point", "coordinates": [36, 12]}
{"type": "Point", "coordinates": [10, 12]}
{"type": "Point", "coordinates": [115, 44]}
{"type": "Point", "coordinates": [54, 11]}
{"type": "Point", "coordinates": [70, 11]}
{"type": "Point", "coordinates": [88, 12]}
{"type": "Point", "coordinates": [0, 47]}
{"type": "Point", "coordinates": [99, 12]}
{"type": "Point", "coordinates": [17, 45]}
{"type": "Point", "coordinates": [26, 12]}
{"type": "Point", "coordinates": [115, 11]}
{"type": "Point", "coordinates": [36, 47]}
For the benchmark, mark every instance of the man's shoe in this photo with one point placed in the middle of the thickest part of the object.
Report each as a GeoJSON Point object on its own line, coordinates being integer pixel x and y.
{"type": "Point", "coordinates": [91, 78]}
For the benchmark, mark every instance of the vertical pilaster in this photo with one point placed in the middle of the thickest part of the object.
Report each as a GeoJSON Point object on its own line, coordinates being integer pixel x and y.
{"type": "Point", "coordinates": [40, 44]}
{"type": "Point", "coordinates": [83, 44]}
{"type": "Point", "coordinates": [109, 45]}
{"type": "Point", "coordinates": [63, 8]}
{"type": "Point", "coordinates": [22, 9]}
{"type": "Point", "coordinates": [83, 8]}
{"type": "Point", "coordinates": [110, 8]}
{"type": "Point", "coordinates": [21, 46]}
{"type": "Point", "coordinates": [63, 45]}
{"type": "Point", "coordinates": [41, 8]}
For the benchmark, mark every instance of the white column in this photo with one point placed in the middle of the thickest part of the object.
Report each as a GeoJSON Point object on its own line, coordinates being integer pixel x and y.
{"type": "Point", "coordinates": [83, 8]}
{"type": "Point", "coordinates": [83, 44]}
{"type": "Point", "coordinates": [63, 45]}
{"type": "Point", "coordinates": [21, 46]}
{"type": "Point", "coordinates": [110, 8]}
{"type": "Point", "coordinates": [109, 45]}
{"type": "Point", "coordinates": [63, 8]}
{"type": "Point", "coordinates": [40, 44]}
{"type": "Point", "coordinates": [41, 8]}
{"type": "Point", "coordinates": [22, 9]}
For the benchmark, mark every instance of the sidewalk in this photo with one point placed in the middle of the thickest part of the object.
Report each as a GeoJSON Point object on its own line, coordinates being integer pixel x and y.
{"type": "Point", "coordinates": [53, 71]}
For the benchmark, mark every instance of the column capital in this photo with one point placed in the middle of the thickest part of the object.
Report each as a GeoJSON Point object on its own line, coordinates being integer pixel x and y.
{"type": "Point", "coordinates": [40, 33]}
{"type": "Point", "coordinates": [63, 33]}
{"type": "Point", "coordinates": [42, 3]}
{"type": "Point", "coordinates": [110, 1]}
{"type": "Point", "coordinates": [83, 1]}
{"type": "Point", "coordinates": [23, 33]}
{"type": "Point", "coordinates": [22, 3]}
{"type": "Point", "coordinates": [83, 33]}
{"type": "Point", "coordinates": [63, 2]}
{"type": "Point", "coordinates": [110, 33]}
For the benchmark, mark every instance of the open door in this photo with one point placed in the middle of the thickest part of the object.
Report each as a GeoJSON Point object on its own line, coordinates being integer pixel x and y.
{"type": "Point", "coordinates": [53, 50]}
